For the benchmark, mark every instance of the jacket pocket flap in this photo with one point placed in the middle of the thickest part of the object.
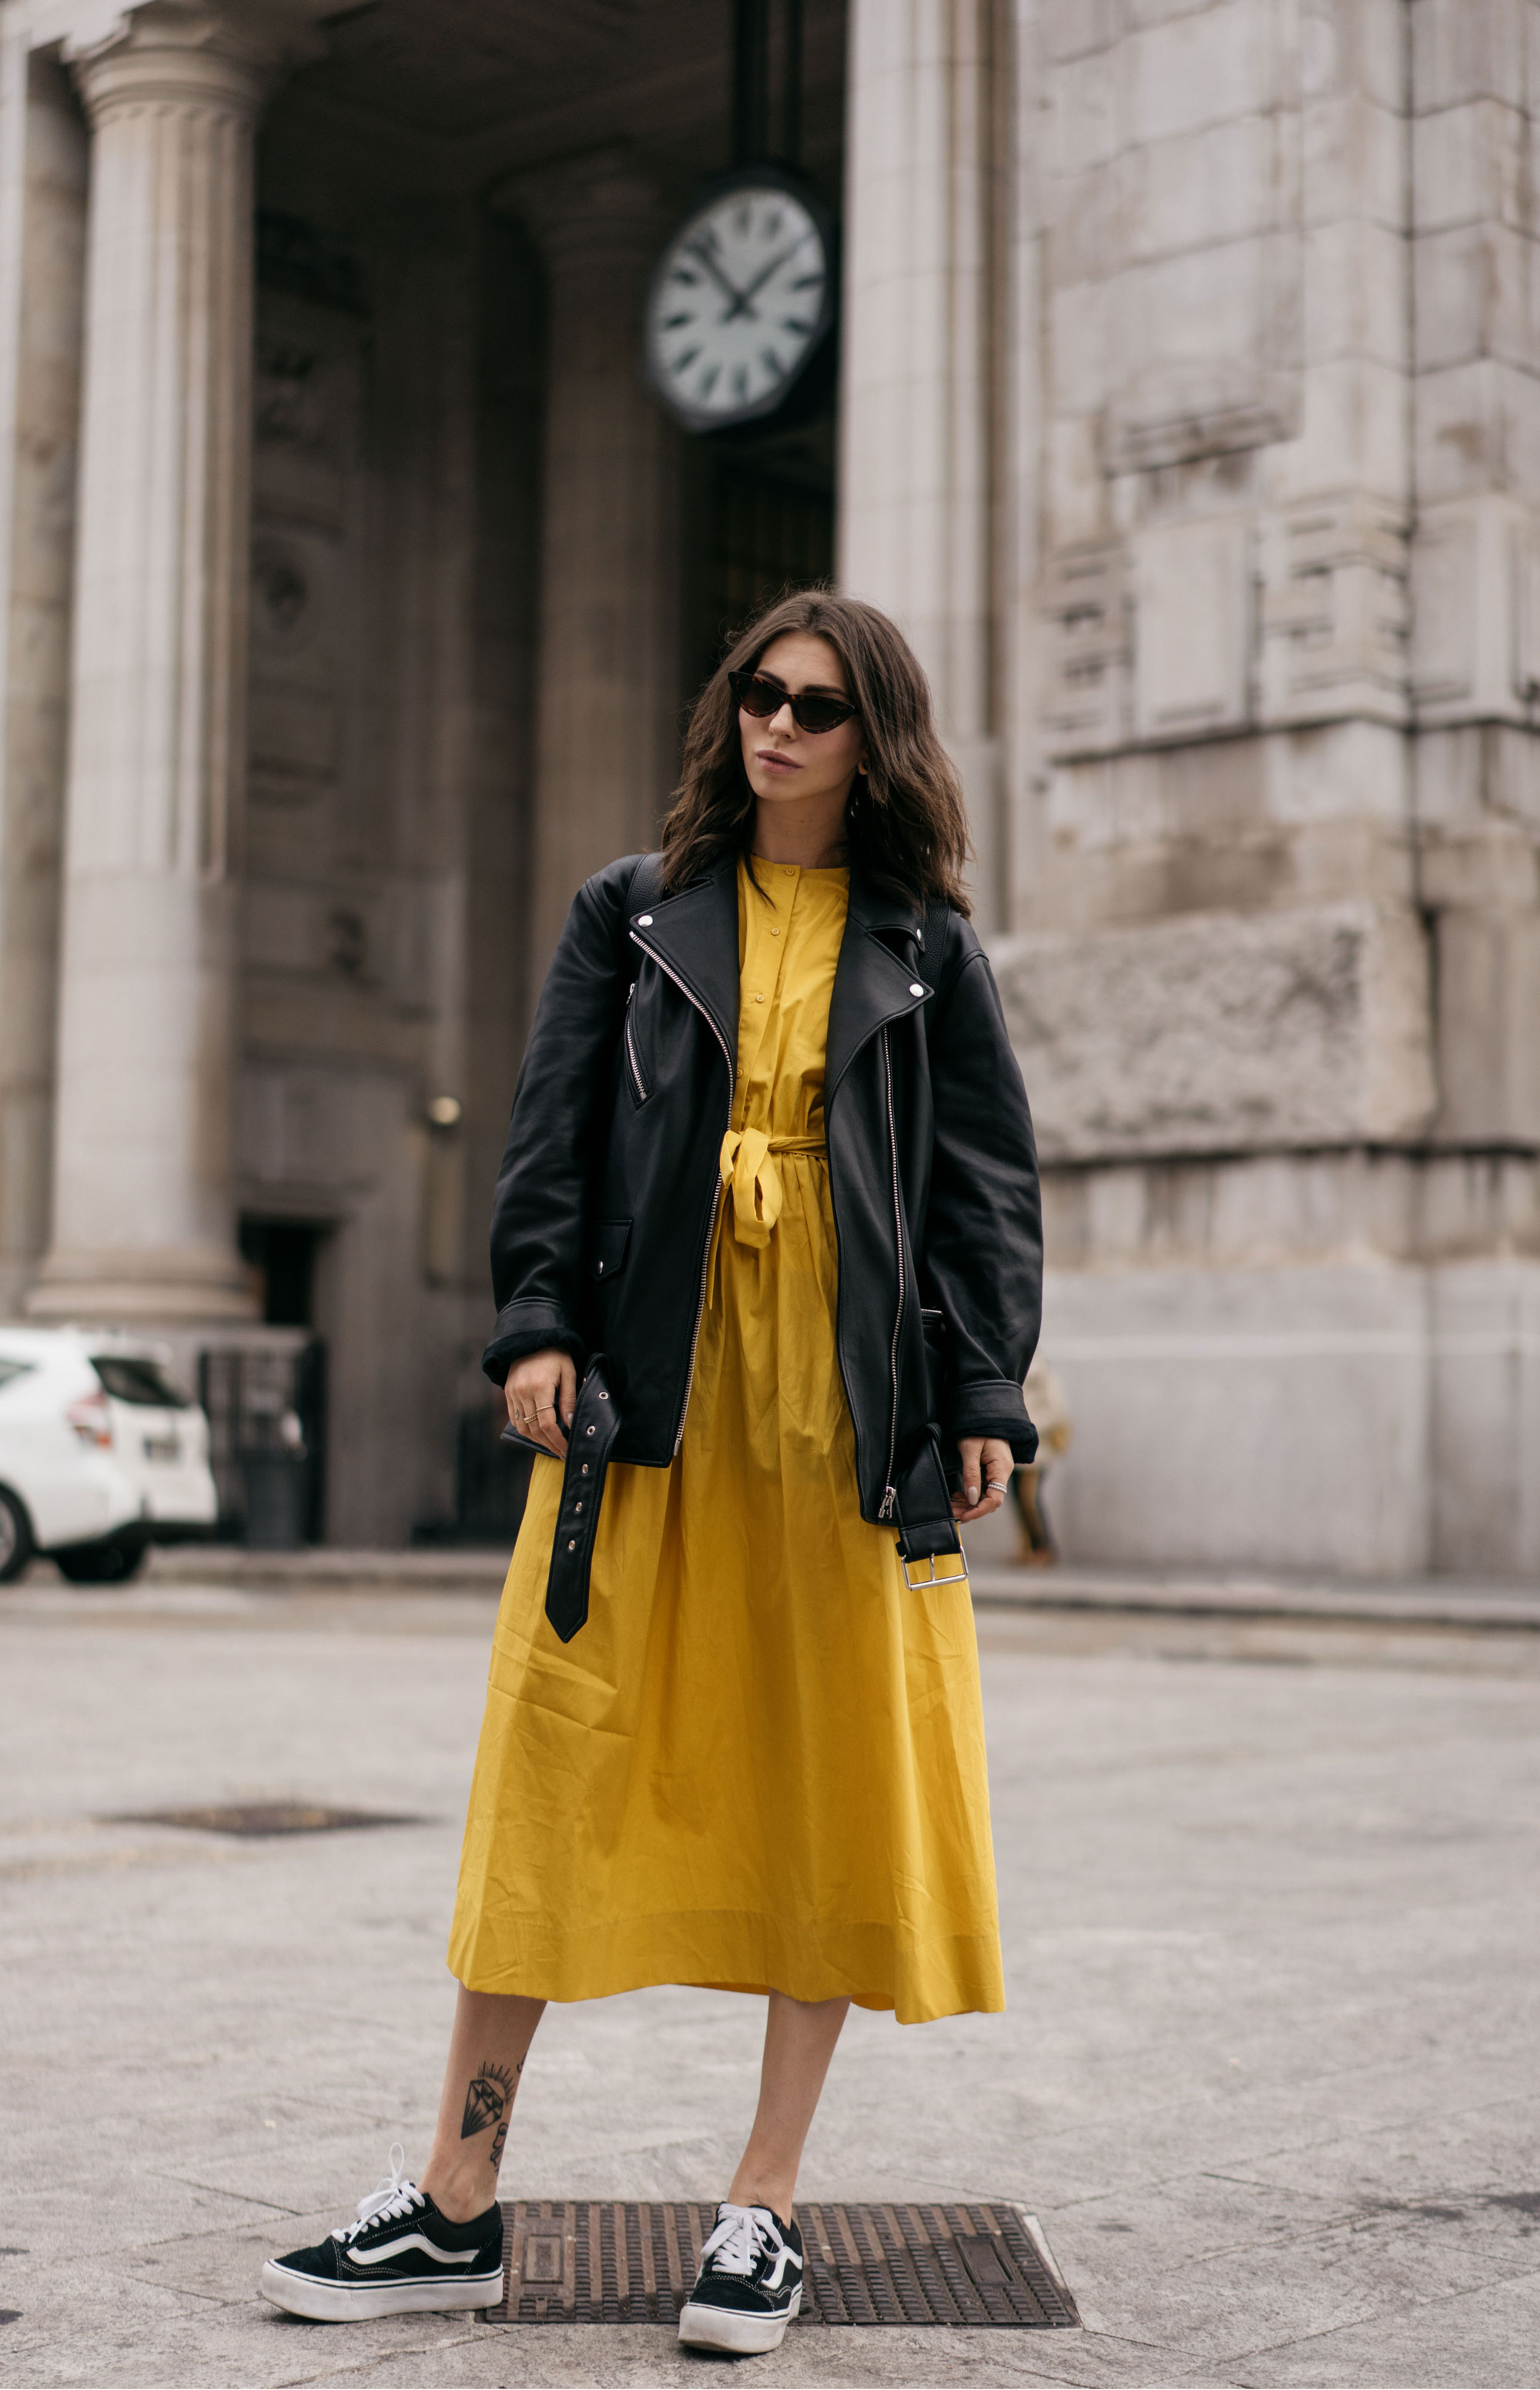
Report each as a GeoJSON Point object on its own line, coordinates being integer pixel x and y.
{"type": "Point", "coordinates": [610, 1240]}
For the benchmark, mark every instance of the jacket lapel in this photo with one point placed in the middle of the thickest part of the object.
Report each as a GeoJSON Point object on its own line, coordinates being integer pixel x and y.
{"type": "Point", "coordinates": [694, 936]}
{"type": "Point", "coordinates": [872, 984]}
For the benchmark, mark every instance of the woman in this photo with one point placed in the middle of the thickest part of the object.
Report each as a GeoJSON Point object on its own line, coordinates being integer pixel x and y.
{"type": "Point", "coordinates": [768, 1253]}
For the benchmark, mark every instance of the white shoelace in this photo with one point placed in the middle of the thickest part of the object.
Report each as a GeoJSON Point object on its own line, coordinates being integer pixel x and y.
{"type": "Point", "coordinates": [740, 2234]}
{"type": "Point", "coordinates": [394, 2197]}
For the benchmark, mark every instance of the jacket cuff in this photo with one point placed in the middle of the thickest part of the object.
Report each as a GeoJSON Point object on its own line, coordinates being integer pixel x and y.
{"type": "Point", "coordinates": [526, 1327]}
{"type": "Point", "coordinates": [989, 1406]}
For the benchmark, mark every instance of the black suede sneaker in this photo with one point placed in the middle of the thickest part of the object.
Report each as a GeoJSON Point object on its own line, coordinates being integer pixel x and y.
{"type": "Point", "coordinates": [750, 2285]}
{"type": "Point", "coordinates": [402, 2257]}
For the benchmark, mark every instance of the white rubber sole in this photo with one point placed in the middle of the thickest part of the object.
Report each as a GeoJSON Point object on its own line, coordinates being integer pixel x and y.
{"type": "Point", "coordinates": [345, 2302]}
{"type": "Point", "coordinates": [729, 2328]}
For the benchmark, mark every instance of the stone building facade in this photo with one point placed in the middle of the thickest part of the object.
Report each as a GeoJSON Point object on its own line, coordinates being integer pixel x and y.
{"type": "Point", "coordinates": [1276, 959]}
{"type": "Point", "coordinates": [1188, 415]}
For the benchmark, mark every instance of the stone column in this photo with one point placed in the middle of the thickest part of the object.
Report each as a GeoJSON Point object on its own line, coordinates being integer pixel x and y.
{"type": "Point", "coordinates": [915, 432]}
{"type": "Point", "coordinates": [609, 695]}
{"type": "Point", "coordinates": [45, 149]}
{"type": "Point", "coordinates": [144, 1206]}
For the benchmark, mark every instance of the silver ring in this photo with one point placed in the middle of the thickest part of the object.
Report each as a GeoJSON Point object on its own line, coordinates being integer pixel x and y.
{"type": "Point", "coordinates": [995, 1484]}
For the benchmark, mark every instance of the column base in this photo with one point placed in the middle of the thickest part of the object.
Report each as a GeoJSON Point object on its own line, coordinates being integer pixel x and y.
{"type": "Point", "coordinates": [184, 1287]}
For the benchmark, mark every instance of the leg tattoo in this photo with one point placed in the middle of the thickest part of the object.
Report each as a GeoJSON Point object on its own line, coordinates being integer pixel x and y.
{"type": "Point", "coordinates": [499, 2136]}
{"type": "Point", "coordinates": [489, 2098]}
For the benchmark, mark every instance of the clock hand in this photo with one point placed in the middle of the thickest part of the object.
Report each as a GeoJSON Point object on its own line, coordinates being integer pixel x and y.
{"type": "Point", "coordinates": [697, 250]}
{"type": "Point", "coordinates": [765, 272]}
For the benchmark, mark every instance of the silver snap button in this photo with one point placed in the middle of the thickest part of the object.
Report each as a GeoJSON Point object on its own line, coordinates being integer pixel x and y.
{"type": "Point", "coordinates": [915, 988]}
{"type": "Point", "coordinates": [644, 920]}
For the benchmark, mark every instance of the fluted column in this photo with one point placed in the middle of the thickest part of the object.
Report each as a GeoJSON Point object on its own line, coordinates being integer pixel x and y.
{"type": "Point", "coordinates": [609, 694]}
{"type": "Point", "coordinates": [144, 1207]}
{"type": "Point", "coordinates": [915, 431]}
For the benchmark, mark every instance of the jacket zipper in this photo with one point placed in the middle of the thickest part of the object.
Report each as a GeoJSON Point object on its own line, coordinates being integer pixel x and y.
{"type": "Point", "coordinates": [890, 1491]}
{"type": "Point", "coordinates": [636, 1079]}
{"type": "Point", "coordinates": [716, 1194]}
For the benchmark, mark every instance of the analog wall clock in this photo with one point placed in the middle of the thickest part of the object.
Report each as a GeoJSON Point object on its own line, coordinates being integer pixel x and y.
{"type": "Point", "coordinates": [740, 300]}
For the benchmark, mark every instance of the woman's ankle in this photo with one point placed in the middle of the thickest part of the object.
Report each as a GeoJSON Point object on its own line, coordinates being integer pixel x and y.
{"type": "Point", "coordinates": [759, 2188]}
{"type": "Point", "coordinates": [461, 2193]}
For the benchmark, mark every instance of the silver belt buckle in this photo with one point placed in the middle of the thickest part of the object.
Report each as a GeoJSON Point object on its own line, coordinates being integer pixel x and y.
{"type": "Point", "coordinates": [953, 1577]}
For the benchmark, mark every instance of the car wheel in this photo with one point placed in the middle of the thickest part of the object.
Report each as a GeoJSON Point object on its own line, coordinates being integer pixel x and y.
{"type": "Point", "coordinates": [113, 1562]}
{"type": "Point", "coordinates": [15, 1537]}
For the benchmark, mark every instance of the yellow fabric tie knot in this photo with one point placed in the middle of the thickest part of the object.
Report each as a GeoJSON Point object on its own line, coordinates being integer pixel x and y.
{"type": "Point", "coordinates": [749, 1172]}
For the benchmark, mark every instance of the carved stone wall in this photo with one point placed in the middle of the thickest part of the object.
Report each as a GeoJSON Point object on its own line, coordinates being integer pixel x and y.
{"type": "Point", "coordinates": [383, 906]}
{"type": "Point", "coordinates": [1213, 1033]}
{"type": "Point", "coordinates": [1276, 792]}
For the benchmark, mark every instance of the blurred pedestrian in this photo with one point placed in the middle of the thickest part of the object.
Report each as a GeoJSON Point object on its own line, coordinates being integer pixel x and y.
{"type": "Point", "coordinates": [765, 1246]}
{"type": "Point", "coordinates": [1050, 1415]}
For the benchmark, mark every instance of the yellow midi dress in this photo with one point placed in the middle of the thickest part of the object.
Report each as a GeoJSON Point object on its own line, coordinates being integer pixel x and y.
{"type": "Point", "coordinates": [761, 1764]}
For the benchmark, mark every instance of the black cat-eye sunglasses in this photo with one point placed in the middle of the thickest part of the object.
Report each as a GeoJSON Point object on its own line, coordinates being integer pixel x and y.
{"type": "Point", "coordinates": [810, 710]}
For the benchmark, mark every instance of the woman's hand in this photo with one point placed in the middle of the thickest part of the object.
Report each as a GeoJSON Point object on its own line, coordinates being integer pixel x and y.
{"type": "Point", "coordinates": [986, 1467]}
{"type": "Point", "coordinates": [540, 1393]}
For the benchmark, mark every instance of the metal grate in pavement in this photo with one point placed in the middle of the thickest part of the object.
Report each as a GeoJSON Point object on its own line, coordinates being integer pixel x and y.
{"type": "Point", "coordinates": [254, 1820]}
{"type": "Point", "coordinates": [612, 2261]}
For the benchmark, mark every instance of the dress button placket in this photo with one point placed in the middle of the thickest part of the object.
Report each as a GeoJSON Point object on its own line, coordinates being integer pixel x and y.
{"type": "Point", "coordinates": [749, 1056]}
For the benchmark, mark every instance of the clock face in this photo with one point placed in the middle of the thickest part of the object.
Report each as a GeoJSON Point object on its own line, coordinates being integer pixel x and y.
{"type": "Point", "coordinates": [740, 298]}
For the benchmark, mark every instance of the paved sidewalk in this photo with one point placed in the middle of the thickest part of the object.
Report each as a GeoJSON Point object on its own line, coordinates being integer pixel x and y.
{"type": "Point", "coordinates": [1189, 1593]}
{"type": "Point", "coordinates": [1269, 2075]}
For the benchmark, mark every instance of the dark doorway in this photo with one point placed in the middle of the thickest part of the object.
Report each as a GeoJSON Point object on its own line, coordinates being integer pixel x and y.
{"type": "Point", "coordinates": [491, 1479]}
{"type": "Point", "coordinates": [267, 1407]}
{"type": "Point", "coordinates": [283, 1251]}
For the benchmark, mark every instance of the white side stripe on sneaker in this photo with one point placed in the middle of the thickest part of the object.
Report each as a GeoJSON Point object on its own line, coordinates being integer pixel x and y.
{"type": "Point", "coordinates": [788, 2258]}
{"type": "Point", "coordinates": [357, 2257]}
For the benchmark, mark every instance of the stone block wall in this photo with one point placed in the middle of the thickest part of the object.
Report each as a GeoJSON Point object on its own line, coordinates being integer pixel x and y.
{"type": "Point", "coordinates": [1276, 813]}
{"type": "Point", "coordinates": [386, 891]}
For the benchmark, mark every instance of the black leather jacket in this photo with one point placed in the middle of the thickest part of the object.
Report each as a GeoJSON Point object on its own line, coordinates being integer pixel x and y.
{"type": "Point", "coordinates": [609, 1182]}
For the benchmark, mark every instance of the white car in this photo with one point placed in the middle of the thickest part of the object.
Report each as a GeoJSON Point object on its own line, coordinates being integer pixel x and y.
{"type": "Point", "coordinates": [100, 1454]}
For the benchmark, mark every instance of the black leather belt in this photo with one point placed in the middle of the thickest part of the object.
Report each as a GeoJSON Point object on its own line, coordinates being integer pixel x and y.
{"type": "Point", "coordinates": [927, 1529]}
{"type": "Point", "coordinates": [596, 1424]}
{"type": "Point", "coordinates": [590, 1440]}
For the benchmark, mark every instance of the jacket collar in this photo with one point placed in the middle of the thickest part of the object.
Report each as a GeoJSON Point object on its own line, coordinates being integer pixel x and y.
{"type": "Point", "coordinates": [694, 936]}
{"type": "Point", "coordinates": [874, 910]}
{"type": "Point", "coordinates": [877, 980]}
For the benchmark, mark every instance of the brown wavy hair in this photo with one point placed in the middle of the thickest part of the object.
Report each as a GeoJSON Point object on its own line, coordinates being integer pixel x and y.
{"type": "Point", "coordinates": [906, 825]}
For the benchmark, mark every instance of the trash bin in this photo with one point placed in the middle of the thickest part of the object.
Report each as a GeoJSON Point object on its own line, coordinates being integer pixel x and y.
{"type": "Point", "coordinates": [276, 1485]}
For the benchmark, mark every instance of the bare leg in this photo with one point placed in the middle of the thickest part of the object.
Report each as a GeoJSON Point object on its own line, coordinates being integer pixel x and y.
{"type": "Point", "coordinates": [487, 2048]}
{"type": "Point", "coordinates": [799, 2042]}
